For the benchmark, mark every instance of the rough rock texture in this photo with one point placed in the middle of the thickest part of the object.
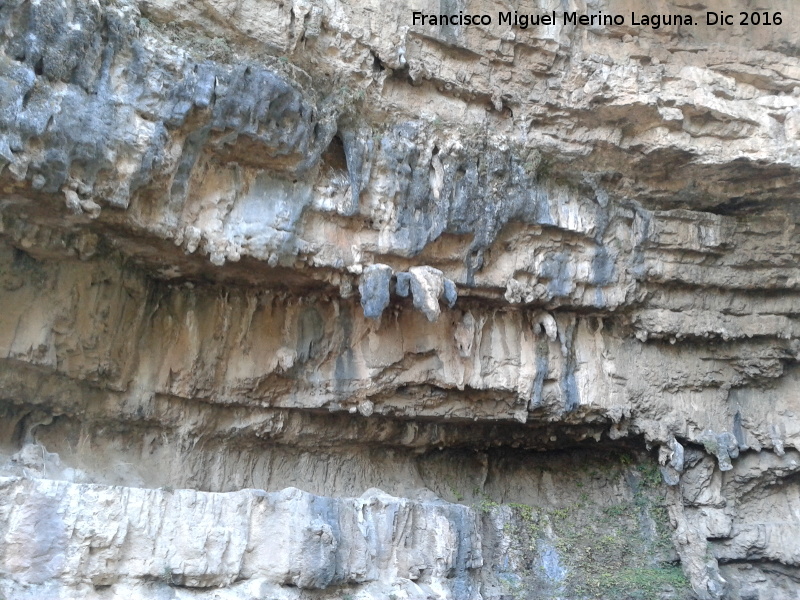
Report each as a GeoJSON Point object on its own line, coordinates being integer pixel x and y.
{"type": "Point", "coordinates": [517, 310]}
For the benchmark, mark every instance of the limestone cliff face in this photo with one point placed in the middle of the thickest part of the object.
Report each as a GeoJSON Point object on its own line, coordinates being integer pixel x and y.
{"type": "Point", "coordinates": [303, 301]}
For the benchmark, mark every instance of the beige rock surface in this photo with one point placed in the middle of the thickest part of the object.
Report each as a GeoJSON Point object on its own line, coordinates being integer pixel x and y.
{"type": "Point", "coordinates": [301, 300]}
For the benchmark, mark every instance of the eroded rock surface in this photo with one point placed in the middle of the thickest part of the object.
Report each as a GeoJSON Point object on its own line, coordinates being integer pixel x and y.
{"type": "Point", "coordinates": [301, 300]}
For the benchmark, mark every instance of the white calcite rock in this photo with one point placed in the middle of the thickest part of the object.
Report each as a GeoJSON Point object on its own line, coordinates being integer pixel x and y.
{"type": "Point", "coordinates": [79, 535]}
{"type": "Point", "coordinates": [427, 285]}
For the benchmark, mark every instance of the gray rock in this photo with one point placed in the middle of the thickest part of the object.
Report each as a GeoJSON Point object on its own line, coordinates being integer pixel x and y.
{"type": "Point", "coordinates": [677, 458]}
{"type": "Point", "coordinates": [61, 532]}
{"type": "Point", "coordinates": [374, 289]}
{"type": "Point", "coordinates": [723, 446]}
{"type": "Point", "coordinates": [403, 287]}
{"type": "Point", "coordinates": [450, 292]}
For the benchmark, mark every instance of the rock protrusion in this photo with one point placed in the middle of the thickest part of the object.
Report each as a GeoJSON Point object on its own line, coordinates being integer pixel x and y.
{"type": "Point", "coordinates": [671, 458]}
{"type": "Point", "coordinates": [426, 285]}
{"type": "Point", "coordinates": [545, 321]}
{"type": "Point", "coordinates": [723, 446]}
{"type": "Point", "coordinates": [403, 287]}
{"type": "Point", "coordinates": [464, 335]}
{"type": "Point", "coordinates": [374, 289]}
{"type": "Point", "coordinates": [450, 292]}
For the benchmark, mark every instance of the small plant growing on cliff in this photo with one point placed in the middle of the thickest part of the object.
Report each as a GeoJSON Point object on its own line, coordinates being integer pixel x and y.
{"type": "Point", "coordinates": [167, 575]}
{"type": "Point", "coordinates": [651, 475]}
{"type": "Point", "coordinates": [625, 459]}
{"type": "Point", "coordinates": [711, 445]}
{"type": "Point", "coordinates": [616, 510]}
{"type": "Point", "coordinates": [486, 505]}
{"type": "Point", "coordinates": [456, 494]}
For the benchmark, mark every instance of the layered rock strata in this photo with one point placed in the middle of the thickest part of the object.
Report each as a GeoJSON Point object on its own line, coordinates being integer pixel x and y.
{"type": "Point", "coordinates": [300, 300]}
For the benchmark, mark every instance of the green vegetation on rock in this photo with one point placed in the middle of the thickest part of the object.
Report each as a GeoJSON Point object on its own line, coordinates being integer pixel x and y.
{"type": "Point", "coordinates": [598, 546]}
